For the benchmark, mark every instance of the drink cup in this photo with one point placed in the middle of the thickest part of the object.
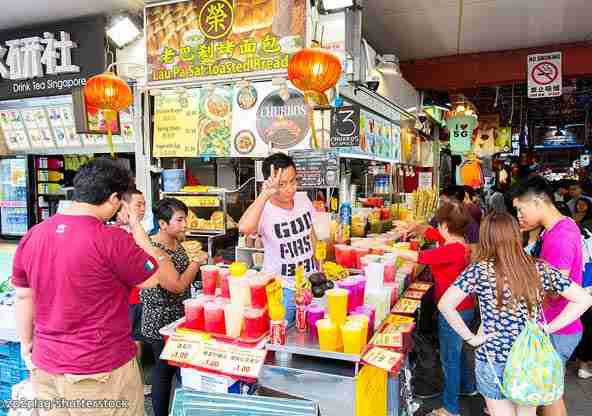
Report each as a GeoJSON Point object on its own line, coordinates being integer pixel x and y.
{"type": "Point", "coordinates": [209, 279]}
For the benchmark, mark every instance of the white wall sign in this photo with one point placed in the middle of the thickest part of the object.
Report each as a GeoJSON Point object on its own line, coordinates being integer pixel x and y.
{"type": "Point", "coordinates": [544, 75]}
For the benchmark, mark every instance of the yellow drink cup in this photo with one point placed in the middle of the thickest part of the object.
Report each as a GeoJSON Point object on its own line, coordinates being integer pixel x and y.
{"type": "Point", "coordinates": [365, 320]}
{"type": "Point", "coordinates": [328, 335]}
{"type": "Point", "coordinates": [337, 302]}
{"type": "Point", "coordinates": [353, 337]}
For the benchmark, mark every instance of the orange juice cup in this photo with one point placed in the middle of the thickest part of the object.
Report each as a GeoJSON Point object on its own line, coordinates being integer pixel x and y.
{"type": "Point", "coordinates": [352, 333]}
{"type": "Point", "coordinates": [328, 335]}
{"type": "Point", "coordinates": [337, 303]}
{"type": "Point", "coordinates": [365, 320]}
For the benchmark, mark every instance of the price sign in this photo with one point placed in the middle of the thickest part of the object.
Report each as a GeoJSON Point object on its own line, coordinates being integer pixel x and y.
{"type": "Point", "coordinates": [243, 362]}
{"type": "Point", "coordinates": [414, 294]}
{"type": "Point", "coordinates": [424, 287]}
{"type": "Point", "coordinates": [399, 319]}
{"type": "Point", "coordinates": [383, 358]}
{"type": "Point", "coordinates": [345, 127]}
{"type": "Point", "coordinates": [406, 306]}
{"type": "Point", "coordinates": [397, 328]}
{"type": "Point", "coordinates": [181, 349]}
{"type": "Point", "coordinates": [388, 340]}
{"type": "Point", "coordinates": [212, 356]}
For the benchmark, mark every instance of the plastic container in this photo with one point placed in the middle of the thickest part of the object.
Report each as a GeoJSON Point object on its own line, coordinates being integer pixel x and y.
{"type": "Point", "coordinates": [374, 276]}
{"type": "Point", "coordinates": [370, 312]}
{"type": "Point", "coordinates": [353, 300]}
{"type": "Point", "coordinates": [321, 222]}
{"type": "Point", "coordinates": [209, 279]}
{"type": "Point", "coordinates": [314, 314]}
{"type": "Point", "coordinates": [223, 276]}
{"type": "Point", "coordinates": [359, 253]}
{"type": "Point", "coordinates": [214, 318]}
{"type": "Point", "coordinates": [173, 180]}
{"type": "Point", "coordinates": [329, 335]}
{"type": "Point", "coordinates": [353, 333]}
{"type": "Point", "coordinates": [390, 270]}
{"type": "Point", "coordinates": [256, 323]}
{"type": "Point", "coordinates": [365, 320]}
{"type": "Point", "coordinates": [344, 256]}
{"type": "Point", "coordinates": [337, 302]}
{"type": "Point", "coordinates": [194, 314]}
{"type": "Point", "coordinates": [240, 291]}
{"type": "Point", "coordinates": [233, 319]}
{"type": "Point", "coordinates": [257, 286]}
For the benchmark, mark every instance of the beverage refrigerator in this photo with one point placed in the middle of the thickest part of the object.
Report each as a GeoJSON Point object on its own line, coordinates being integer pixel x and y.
{"type": "Point", "coordinates": [16, 215]}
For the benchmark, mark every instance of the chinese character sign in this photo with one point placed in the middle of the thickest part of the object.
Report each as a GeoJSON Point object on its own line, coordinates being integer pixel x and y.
{"type": "Point", "coordinates": [222, 38]}
{"type": "Point", "coordinates": [544, 75]}
{"type": "Point", "coordinates": [50, 60]}
{"type": "Point", "coordinates": [461, 133]}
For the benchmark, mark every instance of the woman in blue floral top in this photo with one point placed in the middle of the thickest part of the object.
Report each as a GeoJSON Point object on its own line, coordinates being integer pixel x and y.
{"type": "Point", "coordinates": [510, 286]}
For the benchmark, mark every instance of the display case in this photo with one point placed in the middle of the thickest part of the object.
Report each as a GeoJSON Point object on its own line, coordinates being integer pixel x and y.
{"type": "Point", "coordinates": [208, 215]}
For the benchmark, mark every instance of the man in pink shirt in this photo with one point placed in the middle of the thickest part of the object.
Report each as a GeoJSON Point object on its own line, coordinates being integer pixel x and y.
{"type": "Point", "coordinates": [561, 246]}
{"type": "Point", "coordinates": [73, 276]}
{"type": "Point", "coordinates": [283, 219]}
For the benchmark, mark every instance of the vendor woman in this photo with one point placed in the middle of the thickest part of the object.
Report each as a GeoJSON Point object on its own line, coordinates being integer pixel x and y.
{"type": "Point", "coordinates": [447, 262]}
{"type": "Point", "coordinates": [283, 219]}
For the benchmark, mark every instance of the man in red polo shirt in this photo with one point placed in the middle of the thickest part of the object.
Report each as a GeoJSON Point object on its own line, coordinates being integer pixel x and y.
{"type": "Point", "coordinates": [73, 276]}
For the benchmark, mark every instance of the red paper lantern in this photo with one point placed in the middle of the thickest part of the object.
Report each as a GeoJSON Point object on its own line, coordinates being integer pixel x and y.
{"type": "Point", "coordinates": [107, 91]}
{"type": "Point", "coordinates": [314, 70]}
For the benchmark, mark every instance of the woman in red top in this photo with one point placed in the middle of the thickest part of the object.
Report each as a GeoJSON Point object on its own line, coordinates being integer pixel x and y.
{"type": "Point", "coordinates": [447, 261]}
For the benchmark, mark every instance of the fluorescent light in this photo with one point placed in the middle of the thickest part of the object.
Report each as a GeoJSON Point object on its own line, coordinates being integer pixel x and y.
{"type": "Point", "coordinates": [123, 32]}
{"type": "Point", "coordinates": [337, 4]}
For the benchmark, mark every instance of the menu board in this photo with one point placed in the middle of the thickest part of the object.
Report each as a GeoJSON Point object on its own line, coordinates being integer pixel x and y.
{"type": "Point", "coordinates": [61, 119]}
{"type": "Point", "coordinates": [199, 39]}
{"type": "Point", "coordinates": [376, 136]}
{"type": "Point", "coordinates": [14, 131]}
{"type": "Point", "coordinates": [38, 126]}
{"type": "Point", "coordinates": [126, 118]}
{"type": "Point", "coordinates": [215, 121]}
{"type": "Point", "coordinates": [396, 131]}
{"type": "Point", "coordinates": [316, 169]}
{"type": "Point", "coordinates": [176, 121]}
{"type": "Point", "coordinates": [247, 120]}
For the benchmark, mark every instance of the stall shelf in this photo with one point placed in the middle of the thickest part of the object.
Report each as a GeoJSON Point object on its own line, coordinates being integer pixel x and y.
{"type": "Point", "coordinates": [204, 202]}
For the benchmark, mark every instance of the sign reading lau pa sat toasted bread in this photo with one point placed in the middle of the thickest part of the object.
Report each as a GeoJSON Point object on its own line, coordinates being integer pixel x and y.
{"type": "Point", "coordinates": [198, 39]}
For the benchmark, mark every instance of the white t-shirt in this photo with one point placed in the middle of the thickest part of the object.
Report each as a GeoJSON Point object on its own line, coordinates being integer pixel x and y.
{"type": "Point", "coordinates": [287, 237]}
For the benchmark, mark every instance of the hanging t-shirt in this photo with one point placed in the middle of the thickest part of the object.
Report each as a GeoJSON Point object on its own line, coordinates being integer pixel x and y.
{"type": "Point", "coordinates": [286, 235]}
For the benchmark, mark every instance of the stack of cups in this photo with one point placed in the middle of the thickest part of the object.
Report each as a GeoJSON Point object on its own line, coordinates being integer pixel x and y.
{"type": "Point", "coordinates": [209, 279]}
{"type": "Point", "coordinates": [351, 286]}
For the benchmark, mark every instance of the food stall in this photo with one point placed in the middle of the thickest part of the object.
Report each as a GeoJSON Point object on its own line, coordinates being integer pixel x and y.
{"type": "Point", "coordinates": [225, 94]}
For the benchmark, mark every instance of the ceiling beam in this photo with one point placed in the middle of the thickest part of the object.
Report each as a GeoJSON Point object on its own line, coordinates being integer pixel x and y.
{"type": "Point", "coordinates": [450, 73]}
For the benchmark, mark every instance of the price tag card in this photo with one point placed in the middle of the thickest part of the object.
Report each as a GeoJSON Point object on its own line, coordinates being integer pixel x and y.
{"type": "Point", "coordinates": [200, 201]}
{"type": "Point", "coordinates": [421, 286]}
{"type": "Point", "coordinates": [182, 349]}
{"type": "Point", "coordinates": [396, 319]}
{"type": "Point", "coordinates": [394, 340]}
{"type": "Point", "coordinates": [406, 306]}
{"type": "Point", "coordinates": [243, 362]}
{"type": "Point", "coordinates": [400, 327]}
{"type": "Point", "coordinates": [383, 358]}
{"type": "Point", "coordinates": [414, 294]}
{"type": "Point", "coordinates": [212, 356]}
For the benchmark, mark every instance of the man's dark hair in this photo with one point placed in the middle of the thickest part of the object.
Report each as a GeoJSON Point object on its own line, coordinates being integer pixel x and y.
{"type": "Point", "coordinates": [535, 186]}
{"type": "Point", "coordinates": [127, 195]}
{"type": "Point", "coordinates": [278, 161]}
{"type": "Point", "coordinates": [98, 179]}
{"type": "Point", "coordinates": [454, 192]}
{"type": "Point", "coordinates": [166, 208]}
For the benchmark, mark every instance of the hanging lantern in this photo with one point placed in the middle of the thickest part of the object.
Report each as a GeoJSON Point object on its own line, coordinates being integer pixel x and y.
{"type": "Point", "coordinates": [314, 70]}
{"type": "Point", "coordinates": [109, 93]}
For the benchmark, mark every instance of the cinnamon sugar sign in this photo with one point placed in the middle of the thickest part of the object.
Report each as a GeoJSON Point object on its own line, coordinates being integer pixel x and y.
{"type": "Point", "coordinates": [200, 39]}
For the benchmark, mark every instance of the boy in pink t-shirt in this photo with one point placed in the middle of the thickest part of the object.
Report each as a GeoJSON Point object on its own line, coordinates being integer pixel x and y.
{"type": "Point", "coordinates": [283, 219]}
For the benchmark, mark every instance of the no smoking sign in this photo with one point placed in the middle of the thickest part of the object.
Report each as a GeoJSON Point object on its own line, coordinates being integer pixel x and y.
{"type": "Point", "coordinates": [544, 75]}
